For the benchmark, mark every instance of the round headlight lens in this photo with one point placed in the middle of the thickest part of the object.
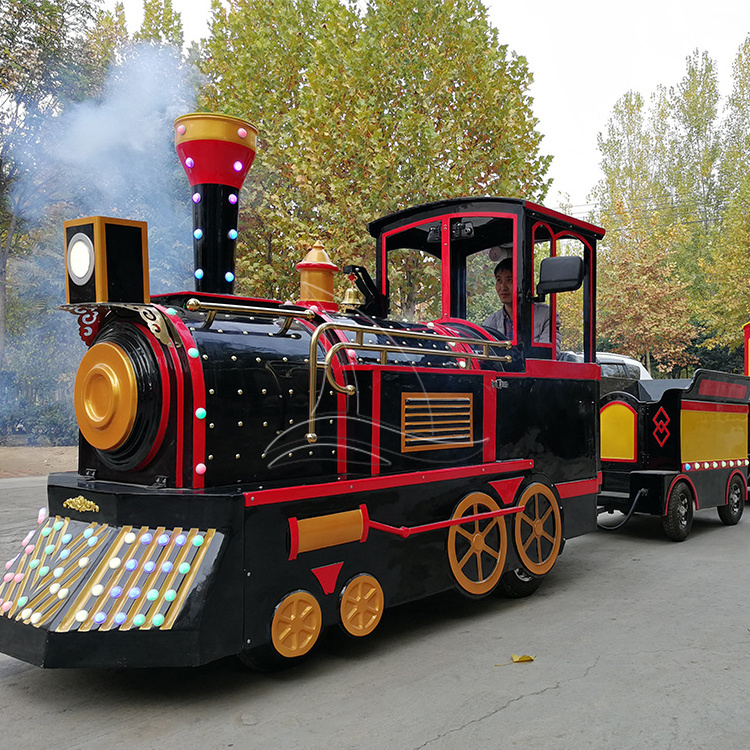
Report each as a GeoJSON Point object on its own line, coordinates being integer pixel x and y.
{"type": "Point", "coordinates": [80, 258]}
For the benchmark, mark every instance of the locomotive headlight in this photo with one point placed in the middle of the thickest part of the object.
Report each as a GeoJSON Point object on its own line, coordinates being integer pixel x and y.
{"type": "Point", "coordinates": [80, 258]}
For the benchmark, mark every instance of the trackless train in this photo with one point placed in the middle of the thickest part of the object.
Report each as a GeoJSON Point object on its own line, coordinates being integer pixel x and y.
{"type": "Point", "coordinates": [252, 472]}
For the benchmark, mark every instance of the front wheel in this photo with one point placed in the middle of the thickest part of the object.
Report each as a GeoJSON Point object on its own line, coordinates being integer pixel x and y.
{"type": "Point", "coordinates": [731, 513]}
{"type": "Point", "coordinates": [678, 519]}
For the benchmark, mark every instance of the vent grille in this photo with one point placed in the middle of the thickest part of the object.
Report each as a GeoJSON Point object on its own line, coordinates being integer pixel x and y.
{"type": "Point", "coordinates": [436, 421]}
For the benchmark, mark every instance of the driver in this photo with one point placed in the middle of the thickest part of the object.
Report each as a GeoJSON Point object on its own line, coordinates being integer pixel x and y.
{"type": "Point", "coordinates": [502, 319]}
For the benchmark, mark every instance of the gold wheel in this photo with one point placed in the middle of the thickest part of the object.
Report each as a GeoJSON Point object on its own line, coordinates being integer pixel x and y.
{"type": "Point", "coordinates": [362, 604]}
{"type": "Point", "coordinates": [477, 548]}
{"type": "Point", "coordinates": [296, 624]}
{"type": "Point", "coordinates": [538, 529]}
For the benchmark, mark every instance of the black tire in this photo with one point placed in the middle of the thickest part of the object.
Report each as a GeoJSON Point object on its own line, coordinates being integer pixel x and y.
{"type": "Point", "coordinates": [266, 659]}
{"type": "Point", "coordinates": [731, 513]}
{"type": "Point", "coordinates": [679, 517]}
{"type": "Point", "coordinates": [516, 584]}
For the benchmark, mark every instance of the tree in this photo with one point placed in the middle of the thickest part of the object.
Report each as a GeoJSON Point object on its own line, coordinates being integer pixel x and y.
{"type": "Point", "coordinates": [161, 24]}
{"type": "Point", "coordinates": [728, 270]}
{"type": "Point", "coordinates": [690, 168]}
{"type": "Point", "coordinates": [644, 309]}
{"type": "Point", "coordinates": [40, 67]}
{"type": "Point", "coordinates": [361, 114]}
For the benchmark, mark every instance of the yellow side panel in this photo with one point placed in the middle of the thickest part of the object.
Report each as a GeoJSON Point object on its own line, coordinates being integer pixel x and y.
{"type": "Point", "coordinates": [618, 432]}
{"type": "Point", "coordinates": [713, 436]}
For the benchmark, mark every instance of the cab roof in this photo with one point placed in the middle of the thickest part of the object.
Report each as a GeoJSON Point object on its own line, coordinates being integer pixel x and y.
{"type": "Point", "coordinates": [469, 205]}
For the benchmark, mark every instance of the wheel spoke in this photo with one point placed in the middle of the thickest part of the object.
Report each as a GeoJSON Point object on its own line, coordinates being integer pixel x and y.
{"type": "Point", "coordinates": [546, 515]}
{"type": "Point", "coordinates": [483, 534]}
{"type": "Point", "coordinates": [479, 566]}
{"type": "Point", "coordinates": [462, 562]}
{"type": "Point", "coordinates": [539, 549]}
{"type": "Point", "coordinates": [466, 534]}
{"type": "Point", "coordinates": [492, 552]}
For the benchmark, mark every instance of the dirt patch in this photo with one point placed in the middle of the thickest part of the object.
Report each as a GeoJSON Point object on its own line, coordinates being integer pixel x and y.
{"type": "Point", "coordinates": [30, 461]}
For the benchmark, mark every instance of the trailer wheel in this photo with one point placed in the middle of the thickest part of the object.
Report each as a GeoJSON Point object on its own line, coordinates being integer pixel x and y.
{"type": "Point", "coordinates": [516, 584]}
{"type": "Point", "coordinates": [538, 529]}
{"type": "Point", "coordinates": [731, 513]}
{"type": "Point", "coordinates": [678, 519]}
{"type": "Point", "coordinates": [477, 548]}
{"type": "Point", "coordinates": [362, 604]}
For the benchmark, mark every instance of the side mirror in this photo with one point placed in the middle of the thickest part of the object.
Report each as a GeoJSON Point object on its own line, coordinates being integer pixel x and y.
{"type": "Point", "coordinates": [563, 273]}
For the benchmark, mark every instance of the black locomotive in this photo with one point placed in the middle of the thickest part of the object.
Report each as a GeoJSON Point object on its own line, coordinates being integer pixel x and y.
{"type": "Point", "coordinates": [252, 472]}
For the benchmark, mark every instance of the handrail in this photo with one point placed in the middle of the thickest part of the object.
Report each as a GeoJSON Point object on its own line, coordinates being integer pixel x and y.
{"type": "Point", "coordinates": [383, 350]}
{"type": "Point", "coordinates": [195, 305]}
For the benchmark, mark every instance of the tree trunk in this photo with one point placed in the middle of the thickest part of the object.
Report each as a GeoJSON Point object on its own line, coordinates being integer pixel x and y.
{"type": "Point", "coordinates": [4, 254]}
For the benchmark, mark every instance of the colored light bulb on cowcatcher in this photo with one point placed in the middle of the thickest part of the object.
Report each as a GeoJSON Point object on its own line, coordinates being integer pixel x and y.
{"type": "Point", "coordinates": [216, 152]}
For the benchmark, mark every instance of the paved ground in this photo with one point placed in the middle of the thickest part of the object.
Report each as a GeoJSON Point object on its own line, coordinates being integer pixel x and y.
{"type": "Point", "coordinates": [29, 460]}
{"type": "Point", "coordinates": [639, 643]}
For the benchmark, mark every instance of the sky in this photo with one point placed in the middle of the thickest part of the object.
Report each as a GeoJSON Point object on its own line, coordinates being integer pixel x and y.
{"type": "Point", "coordinates": [584, 55]}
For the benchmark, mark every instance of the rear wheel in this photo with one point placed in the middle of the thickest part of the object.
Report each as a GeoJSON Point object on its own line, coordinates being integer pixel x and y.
{"type": "Point", "coordinates": [731, 513]}
{"type": "Point", "coordinates": [538, 530]}
{"type": "Point", "coordinates": [678, 519]}
{"type": "Point", "coordinates": [516, 584]}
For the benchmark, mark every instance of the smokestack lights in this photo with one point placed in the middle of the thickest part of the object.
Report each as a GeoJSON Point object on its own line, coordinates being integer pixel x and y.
{"type": "Point", "coordinates": [216, 152]}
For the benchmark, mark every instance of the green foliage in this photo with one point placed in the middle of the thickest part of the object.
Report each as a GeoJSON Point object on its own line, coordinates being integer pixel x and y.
{"type": "Point", "coordinates": [161, 24]}
{"type": "Point", "coordinates": [361, 114]}
{"type": "Point", "coordinates": [674, 201]}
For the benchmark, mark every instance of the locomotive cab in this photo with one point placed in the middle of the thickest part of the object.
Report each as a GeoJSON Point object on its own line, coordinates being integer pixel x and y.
{"type": "Point", "coordinates": [436, 262]}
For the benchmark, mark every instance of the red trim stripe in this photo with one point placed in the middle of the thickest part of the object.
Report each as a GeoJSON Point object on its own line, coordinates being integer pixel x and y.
{"type": "Point", "coordinates": [535, 368]}
{"type": "Point", "coordinates": [344, 486]}
{"type": "Point", "coordinates": [406, 531]}
{"type": "Point", "coordinates": [198, 400]}
{"type": "Point", "coordinates": [580, 487]}
{"type": "Point", "coordinates": [293, 538]}
{"type": "Point", "coordinates": [375, 452]}
{"type": "Point", "coordinates": [166, 395]}
{"type": "Point", "coordinates": [180, 415]}
{"type": "Point", "coordinates": [489, 418]}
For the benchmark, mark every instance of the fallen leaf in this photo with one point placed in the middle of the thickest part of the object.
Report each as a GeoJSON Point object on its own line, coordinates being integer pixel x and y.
{"type": "Point", "coordinates": [516, 659]}
{"type": "Point", "coordinates": [525, 657]}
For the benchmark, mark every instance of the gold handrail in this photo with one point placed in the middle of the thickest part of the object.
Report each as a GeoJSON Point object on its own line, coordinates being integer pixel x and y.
{"type": "Point", "coordinates": [383, 350]}
{"type": "Point", "coordinates": [195, 305]}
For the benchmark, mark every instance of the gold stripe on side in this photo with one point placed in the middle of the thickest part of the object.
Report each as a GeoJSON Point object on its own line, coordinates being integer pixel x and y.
{"type": "Point", "coordinates": [713, 436]}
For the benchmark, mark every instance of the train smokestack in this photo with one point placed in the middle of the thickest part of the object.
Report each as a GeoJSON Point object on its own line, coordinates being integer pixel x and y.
{"type": "Point", "coordinates": [216, 152]}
